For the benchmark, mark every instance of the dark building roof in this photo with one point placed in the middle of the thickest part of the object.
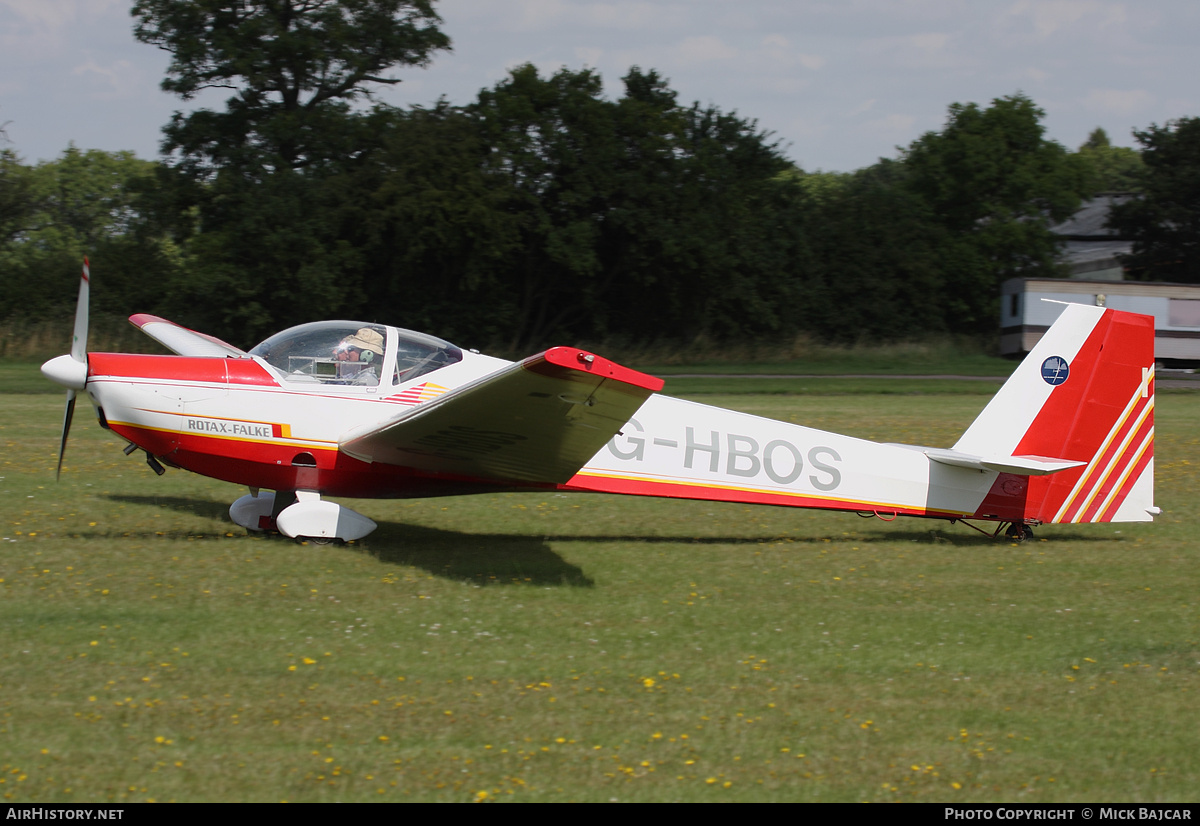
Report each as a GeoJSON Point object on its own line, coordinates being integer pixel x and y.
{"type": "Point", "coordinates": [1089, 246]}
{"type": "Point", "coordinates": [1089, 220]}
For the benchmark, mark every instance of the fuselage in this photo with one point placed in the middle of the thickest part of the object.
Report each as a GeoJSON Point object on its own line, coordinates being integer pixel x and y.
{"type": "Point", "coordinates": [247, 421]}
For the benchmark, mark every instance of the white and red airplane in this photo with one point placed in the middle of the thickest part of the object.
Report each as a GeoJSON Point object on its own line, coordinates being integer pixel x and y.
{"type": "Point", "coordinates": [353, 409]}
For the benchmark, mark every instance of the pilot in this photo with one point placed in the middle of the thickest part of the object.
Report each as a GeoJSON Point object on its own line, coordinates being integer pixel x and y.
{"type": "Point", "coordinates": [362, 355]}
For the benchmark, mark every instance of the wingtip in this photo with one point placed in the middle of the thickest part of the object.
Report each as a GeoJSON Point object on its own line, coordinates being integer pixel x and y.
{"type": "Point", "coordinates": [572, 358]}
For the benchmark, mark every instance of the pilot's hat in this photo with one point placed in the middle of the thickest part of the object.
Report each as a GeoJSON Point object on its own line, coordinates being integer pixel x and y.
{"type": "Point", "coordinates": [365, 339]}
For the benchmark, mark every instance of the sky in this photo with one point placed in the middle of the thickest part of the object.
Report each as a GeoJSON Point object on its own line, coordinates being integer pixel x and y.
{"type": "Point", "coordinates": [838, 83]}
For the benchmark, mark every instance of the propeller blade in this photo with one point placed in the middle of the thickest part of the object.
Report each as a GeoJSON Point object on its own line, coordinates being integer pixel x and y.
{"type": "Point", "coordinates": [79, 342]}
{"type": "Point", "coordinates": [68, 414]}
{"type": "Point", "coordinates": [71, 371]}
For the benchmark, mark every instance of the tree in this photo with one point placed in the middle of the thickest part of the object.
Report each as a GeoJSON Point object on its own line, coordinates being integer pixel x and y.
{"type": "Point", "coordinates": [994, 182]}
{"type": "Point", "coordinates": [1164, 223]}
{"type": "Point", "coordinates": [553, 149]}
{"type": "Point", "coordinates": [876, 269]}
{"type": "Point", "coordinates": [434, 230]}
{"type": "Point", "coordinates": [296, 67]}
{"type": "Point", "coordinates": [544, 212]}
{"type": "Point", "coordinates": [16, 197]}
{"type": "Point", "coordinates": [723, 233]}
{"type": "Point", "coordinates": [638, 217]}
{"type": "Point", "coordinates": [83, 203]}
{"type": "Point", "coordinates": [260, 177]}
{"type": "Point", "coordinates": [1113, 168]}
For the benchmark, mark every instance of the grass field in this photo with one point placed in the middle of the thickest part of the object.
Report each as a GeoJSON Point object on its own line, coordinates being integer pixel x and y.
{"type": "Point", "coordinates": [533, 647]}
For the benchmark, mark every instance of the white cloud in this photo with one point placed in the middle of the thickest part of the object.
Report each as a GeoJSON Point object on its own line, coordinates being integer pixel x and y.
{"type": "Point", "coordinates": [778, 52]}
{"type": "Point", "coordinates": [924, 50]}
{"type": "Point", "coordinates": [630, 15]}
{"type": "Point", "coordinates": [802, 127]}
{"type": "Point", "coordinates": [589, 56]}
{"type": "Point", "coordinates": [703, 49]}
{"type": "Point", "coordinates": [57, 13]}
{"type": "Point", "coordinates": [563, 15]}
{"type": "Point", "coordinates": [1048, 17]}
{"type": "Point", "coordinates": [536, 14]}
{"type": "Point", "coordinates": [1118, 101]}
{"type": "Point", "coordinates": [865, 106]}
{"type": "Point", "coordinates": [929, 41]}
{"type": "Point", "coordinates": [50, 13]}
{"type": "Point", "coordinates": [116, 80]}
{"type": "Point", "coordinates": [786, 85]}
{"type": "Point", "coordinates": [35, 30]}
{"type": "Point", "coordinates": [894, 127]}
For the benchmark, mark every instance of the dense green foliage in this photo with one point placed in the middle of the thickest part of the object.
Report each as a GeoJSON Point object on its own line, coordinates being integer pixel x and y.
{"type": "Point", "coordinates": [84, 203]}
{"type": "Point", "coordinates": [1164, 222]}
{"type": "Point", "coordinates": [1113, 168]}
{"type": "Point", "coordinates": [543, 211]}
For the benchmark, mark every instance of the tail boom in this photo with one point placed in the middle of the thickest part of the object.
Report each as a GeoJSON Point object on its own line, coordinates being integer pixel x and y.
{"type": "Point", "coordinates": [1069, 438]}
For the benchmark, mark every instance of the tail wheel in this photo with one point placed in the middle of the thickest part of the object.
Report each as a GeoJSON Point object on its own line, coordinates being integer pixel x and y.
{"type": "Point", "coordinates": [1019, 533]}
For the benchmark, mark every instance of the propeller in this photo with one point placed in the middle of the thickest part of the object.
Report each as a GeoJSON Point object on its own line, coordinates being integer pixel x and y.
{"type": "Point", "coordinates": [71, 370]}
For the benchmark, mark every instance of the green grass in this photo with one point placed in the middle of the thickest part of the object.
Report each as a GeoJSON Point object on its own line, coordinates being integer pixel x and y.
{"type": "Point", "coordinates": [22, 376]}
{"type": "Point", "coordinates": [827, 386]}
{"type": "Point", "coordinates": [935, 355]}
{"type": "Point", "coordinates": [536, 647]}
{"type": "Point", "coordinates": [834, 362]}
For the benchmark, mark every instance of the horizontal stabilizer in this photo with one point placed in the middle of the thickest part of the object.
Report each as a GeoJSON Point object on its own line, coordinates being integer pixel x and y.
{"type": "Point", "coordinates": [182, 341]}
{"type": "Point", "coordinates": [1021, 465]}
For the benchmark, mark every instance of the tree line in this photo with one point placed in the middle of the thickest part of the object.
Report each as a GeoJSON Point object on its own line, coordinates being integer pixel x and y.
{"type": "Point", "coordinates": [544, 211]}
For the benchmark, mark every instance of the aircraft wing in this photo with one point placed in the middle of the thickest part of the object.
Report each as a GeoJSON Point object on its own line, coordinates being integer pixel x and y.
{"type": "Point", "coordinates": [538, 420]}
{"type": "Point", "coordinates": [182, 341]}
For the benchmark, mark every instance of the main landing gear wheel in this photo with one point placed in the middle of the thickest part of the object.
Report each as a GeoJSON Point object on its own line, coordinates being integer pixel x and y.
{"type": "Point", "coordinates": [302, 516]}
{"type": "Point", "coordinates": [1019, 533]}
{"type": "Point", "coordinates": [319, 540]}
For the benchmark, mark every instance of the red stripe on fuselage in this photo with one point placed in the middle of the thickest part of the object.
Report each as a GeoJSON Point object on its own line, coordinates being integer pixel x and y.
{"type": "Point", "coordinates": [270, 466]}
{"type": "Point", "coordinates": [586, 482]}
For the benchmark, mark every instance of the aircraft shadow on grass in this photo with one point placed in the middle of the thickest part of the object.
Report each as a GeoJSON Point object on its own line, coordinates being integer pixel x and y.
{"type": "Point", "coordinates": [483, 559]}
{"type": "Point", "coordinates": [507, 558]}
{"type": "Point", "coordinates": [203, 508]}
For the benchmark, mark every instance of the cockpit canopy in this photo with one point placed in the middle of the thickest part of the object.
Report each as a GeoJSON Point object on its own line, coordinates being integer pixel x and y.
{"type": "Point", "coordinates": [354, 353]}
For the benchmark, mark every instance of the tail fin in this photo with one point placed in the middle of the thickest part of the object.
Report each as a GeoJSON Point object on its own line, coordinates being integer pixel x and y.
{"type": "Point", "coordinates": [1085, 394]}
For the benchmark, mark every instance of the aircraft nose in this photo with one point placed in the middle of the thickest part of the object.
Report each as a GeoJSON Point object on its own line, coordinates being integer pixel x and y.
{"type": "Point", "coordinates": [66, 371]}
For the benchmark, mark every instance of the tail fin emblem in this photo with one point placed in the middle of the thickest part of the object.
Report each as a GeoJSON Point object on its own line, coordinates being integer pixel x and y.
{"type": "Point", "coordinates": [1055, 370]}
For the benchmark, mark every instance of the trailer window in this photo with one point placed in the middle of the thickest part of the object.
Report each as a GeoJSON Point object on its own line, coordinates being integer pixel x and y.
{"type": "Point", "coordinates": [1183, 312]}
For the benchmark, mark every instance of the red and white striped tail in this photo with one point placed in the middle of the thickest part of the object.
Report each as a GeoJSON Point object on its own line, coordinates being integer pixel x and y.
{"type": "Point", "coordinates": [1084, 394]}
